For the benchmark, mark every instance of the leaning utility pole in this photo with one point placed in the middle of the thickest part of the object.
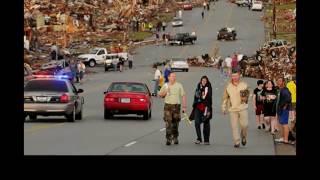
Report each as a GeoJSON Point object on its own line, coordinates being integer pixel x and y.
{"type": "Point", "coordinates": [274, 20]}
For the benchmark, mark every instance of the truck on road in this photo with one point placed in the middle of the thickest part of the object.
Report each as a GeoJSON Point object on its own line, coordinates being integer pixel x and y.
{"type": "Point", "coordinates": [98, 56]}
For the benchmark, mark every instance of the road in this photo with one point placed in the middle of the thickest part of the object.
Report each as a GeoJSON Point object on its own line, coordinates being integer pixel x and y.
{"type": "Point", "coordinates": [133, 136]}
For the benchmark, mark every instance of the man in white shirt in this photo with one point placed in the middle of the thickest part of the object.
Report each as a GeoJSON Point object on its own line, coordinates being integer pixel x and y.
{"type": "Point", "coordinates": [228, 61]}
{"type": "Point", "coordinates": [157, 75]}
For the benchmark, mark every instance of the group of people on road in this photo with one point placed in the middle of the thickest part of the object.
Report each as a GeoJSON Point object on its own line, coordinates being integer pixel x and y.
{"type": "Point", "coordinates": [275, 107]}
{"type": "Point", "coordinates": [274, 102]}
{"type": "Point", "coordinates": [228, 65]}
{"type": "Point", "coordinates": [77, 69]}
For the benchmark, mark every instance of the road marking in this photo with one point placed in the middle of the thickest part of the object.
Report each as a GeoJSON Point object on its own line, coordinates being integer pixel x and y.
{"type": "Point", "coordinates": [130, 144]}
{"type": "Point", "coordinates": [162, 129]}
{"type": "Point", "coordinates": [40, 127]}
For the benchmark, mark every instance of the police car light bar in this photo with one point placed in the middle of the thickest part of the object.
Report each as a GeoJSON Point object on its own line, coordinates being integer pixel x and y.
{"type": "Point", "coordinates": [52, 76]}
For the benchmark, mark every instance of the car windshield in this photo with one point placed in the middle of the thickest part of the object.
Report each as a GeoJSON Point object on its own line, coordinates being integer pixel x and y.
{"type": "Point", "coordinates": [46, 85]}
{"type": "Point", "coordinates": [128, 87]}
{"type": "Point", "coordinates": [93, 51]}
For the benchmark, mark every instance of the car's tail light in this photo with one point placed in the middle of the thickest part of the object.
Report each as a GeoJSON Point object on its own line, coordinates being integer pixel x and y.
{"type": "Point", "coordinates": [64, 98]}
{"type": "Point", "coordinates": [142, 100]}
{"type": "Point", "coordinates": [108, 99]}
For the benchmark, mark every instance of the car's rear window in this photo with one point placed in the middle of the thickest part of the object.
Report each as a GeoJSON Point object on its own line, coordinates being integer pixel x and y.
{"type": "Point", "coordinates": [129, 87]}
{"type": "Point", "coordinates": [46, 85]}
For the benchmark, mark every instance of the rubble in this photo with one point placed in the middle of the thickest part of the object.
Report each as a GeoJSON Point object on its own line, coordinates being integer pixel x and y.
{"type": "Point", "coordinates": [82, 24]}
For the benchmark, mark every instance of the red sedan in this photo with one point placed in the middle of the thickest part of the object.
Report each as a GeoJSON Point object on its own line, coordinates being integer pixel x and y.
{"type": "Point", "coordinates": [187, 6]}
{"type": "Point", "coordinates": [127, 98]}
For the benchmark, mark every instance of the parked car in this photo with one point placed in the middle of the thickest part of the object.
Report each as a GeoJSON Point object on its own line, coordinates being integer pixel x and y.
{"type": "Point", "coordinates": [52, 96]}
{"type": "Point", "coordinates": [227, 33]}
{"type": "Point", "coordinates": [127, 98]}
{"type": "Point", "coordinates": [177, 22]}
{"type": "Point", "coordinates": [182, 38]}
{"type": "Point", "coordinates": [98, 56]}
{"type": "Point", "coordinates": [187, 6]}
{"type": "Point", "coordinates": [179, 64]}
{"type": "Point", "coordinates": [242, 3]}
{"type": "Point", "coordinates": [257, 6]}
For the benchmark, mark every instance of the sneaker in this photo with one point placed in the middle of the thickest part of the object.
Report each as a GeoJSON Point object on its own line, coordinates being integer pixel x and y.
{"type": "Point", "coordinates": [263, 126]}
{"type": "Point", "coordinates": [237, 145]}
{"type": "Point", "coordinates": [243, 141]}
{"type": "Point", "coordinates": [259, 127]}
{"type": "Point", "coordinates": [176, 141]}
{"type": "Point", "coordinates": [197, 142]}
{"type": "Point", "coordinates": [168, 143]}
{"type": "Point", "coordinates": [280, 140]}
{"type": "Point", "coordinates": [206, 143]}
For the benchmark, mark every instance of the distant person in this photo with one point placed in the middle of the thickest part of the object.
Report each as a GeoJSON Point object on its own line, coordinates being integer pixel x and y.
{"type": "Point", "coordinates": [157, 75]}
{"type": "Point", "coordinates": [202, 14]}
{"type": "Point", "coordinates": [130, 59]}
{"type": "Point", "coordinates": [164, 25]}
{"type": "Point", "coordinates": [166, 73]}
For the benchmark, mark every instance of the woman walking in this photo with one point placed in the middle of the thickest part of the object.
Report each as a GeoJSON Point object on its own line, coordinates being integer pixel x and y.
{"type": "Point", "coordinates": [202, 105]}
{"type": "Point", "coordinates": [269, 97]}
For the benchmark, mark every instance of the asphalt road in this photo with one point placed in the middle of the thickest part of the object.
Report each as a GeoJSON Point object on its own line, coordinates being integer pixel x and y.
{"type": "Point", "coordinates": [133, 136]}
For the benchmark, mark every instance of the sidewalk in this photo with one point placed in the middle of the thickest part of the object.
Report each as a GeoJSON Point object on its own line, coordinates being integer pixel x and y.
{"type": "Point", "coordinates": [284, 149]}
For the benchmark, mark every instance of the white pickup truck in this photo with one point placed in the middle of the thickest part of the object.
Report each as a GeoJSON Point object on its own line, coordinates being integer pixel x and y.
{"type": "Point", "coordinates": [98, 56]}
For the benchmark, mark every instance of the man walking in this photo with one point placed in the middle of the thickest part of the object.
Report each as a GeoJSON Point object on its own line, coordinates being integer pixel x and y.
{"type": "Point", "coordinates": [235, 97]}
{"type": "Point", "coordinates": [202, 14]}
{"type": "Point", "coordinates": [283, 108]}
{"type": "Point", "coordinates": [172, 92]}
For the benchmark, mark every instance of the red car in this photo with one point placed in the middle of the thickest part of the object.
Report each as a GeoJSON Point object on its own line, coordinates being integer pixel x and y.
{"type": "Point", "coordinates": [187, 6]}
{"type": "Point", "coordinates": [127, 98]}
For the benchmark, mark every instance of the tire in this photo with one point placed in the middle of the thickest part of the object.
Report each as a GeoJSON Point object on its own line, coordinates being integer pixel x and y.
{"type": "Point", "coordinates": [259, 58]}
{"type": "Point", "coordinates": [187, 70]}
{"type": "Point", "coordinates": [79, 115]}
{"type": "Point", "coordinates": [33, 117]}
{"type": "Point", "coordinates": [107, 114]}
{"type": "Point", "coordinates": [273, 54]}
{"type": "Point", "coordinates": [218, 37]}
{"type": "Point", "coordinates": [150, 114]}
{"type": "Point", "coordinates": [146, 115]}
{"type": "Point", "coordinates": [105, 69]}
{"type": "Point", "coordinates": [92, 63]}
{"type": "Point", "coordinates": [72, 117]}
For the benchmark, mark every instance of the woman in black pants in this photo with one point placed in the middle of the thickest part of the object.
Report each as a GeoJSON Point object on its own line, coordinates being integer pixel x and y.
{"type": "Point", "coordinates": [202, 105]}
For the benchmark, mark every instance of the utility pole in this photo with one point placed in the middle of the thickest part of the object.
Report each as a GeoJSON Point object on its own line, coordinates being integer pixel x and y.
{"type": "Point", "coordinates": [274, 20]}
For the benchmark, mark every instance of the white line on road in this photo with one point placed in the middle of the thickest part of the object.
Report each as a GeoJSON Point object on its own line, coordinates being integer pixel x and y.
{"type": "Point", "coordinates": [130, 144]}
{"type": "Point", "coordinates": [162, 129]}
